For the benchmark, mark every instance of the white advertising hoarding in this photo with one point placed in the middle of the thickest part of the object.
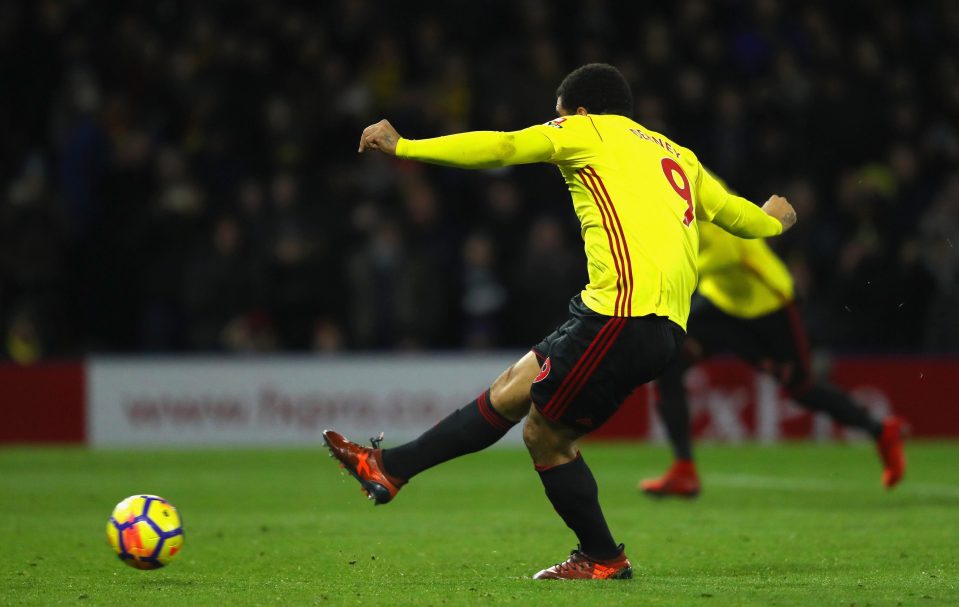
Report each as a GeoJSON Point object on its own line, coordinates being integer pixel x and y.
{"type": "Point", "coordinates": [283, 400]}
{"type": "Point", "coordinates": [291, 400]}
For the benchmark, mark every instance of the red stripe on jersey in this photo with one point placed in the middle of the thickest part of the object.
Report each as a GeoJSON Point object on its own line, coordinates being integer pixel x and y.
{"type": "Point", "coordinates": [609, 236]}
{"type": "Point", "coordinates": [622, 233]}
{"type": "Point", "coordinates": [588, 371]}
{"type": "Point", "coordinates": [618, 236]}
{"type": "Point", "coordinates": [573, 378]}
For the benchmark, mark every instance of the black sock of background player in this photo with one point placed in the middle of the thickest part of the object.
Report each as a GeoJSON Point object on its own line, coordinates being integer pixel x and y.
{"type": "Point", "coordinates": [574, 494]}
{"type": "Point", "coordinates": [840, 407]}
{"type": "Point", "coordinates": [472, 428]}
{"type": "Point", "coordinates": [674, 411]}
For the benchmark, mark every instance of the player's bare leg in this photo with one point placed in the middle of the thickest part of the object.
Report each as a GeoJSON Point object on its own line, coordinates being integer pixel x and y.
{"type": "Point", "coordinates": [509, 394]}
{"type": "Point", "coordinates": [571, 488]}
{"type": "Point", "coordinates": [382, 472]}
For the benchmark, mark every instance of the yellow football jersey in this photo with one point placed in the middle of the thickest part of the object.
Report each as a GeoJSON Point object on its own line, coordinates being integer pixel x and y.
{"type": "Point", "coordinates": [743, 278]}
{"type": "Point", "coordinates": [637, 194]}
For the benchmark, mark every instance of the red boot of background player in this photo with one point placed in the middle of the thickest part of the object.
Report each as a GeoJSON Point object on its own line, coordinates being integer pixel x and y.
{"type": "Point", "coordinates": [680, 480]}
{"type": "Point", "coordinates": [891, 452]}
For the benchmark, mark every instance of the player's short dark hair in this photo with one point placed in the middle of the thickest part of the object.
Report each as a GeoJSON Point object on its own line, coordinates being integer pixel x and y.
{"type": "Point", "coordinates": [598, 87]}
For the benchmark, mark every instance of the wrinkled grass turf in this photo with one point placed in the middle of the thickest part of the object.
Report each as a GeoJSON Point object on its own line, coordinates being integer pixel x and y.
{"type": "Point", "coordinates": [786, 525]}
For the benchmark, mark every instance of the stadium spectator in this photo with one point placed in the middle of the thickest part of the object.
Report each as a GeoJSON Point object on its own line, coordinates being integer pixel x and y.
{"type": "Point", "coordinates": [151, 121]}
{"type": "Point", "coordinates": [940, 237]}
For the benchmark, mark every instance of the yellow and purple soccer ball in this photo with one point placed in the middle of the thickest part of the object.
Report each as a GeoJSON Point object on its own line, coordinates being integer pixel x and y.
{"type": "Point", "coordinates": [145, 531]}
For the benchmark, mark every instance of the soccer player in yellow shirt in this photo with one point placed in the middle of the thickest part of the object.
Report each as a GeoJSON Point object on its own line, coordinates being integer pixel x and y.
{"type": "Point", "coordinates": [745, 305]}
{"type": "Point", "coordinates": [640, 199]}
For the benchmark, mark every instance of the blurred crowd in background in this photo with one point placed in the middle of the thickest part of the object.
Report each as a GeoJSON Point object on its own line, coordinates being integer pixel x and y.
{"type": "Point", "coordinates": [182, 175]}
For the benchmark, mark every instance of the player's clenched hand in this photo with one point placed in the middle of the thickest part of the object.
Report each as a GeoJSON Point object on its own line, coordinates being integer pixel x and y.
{"type": "Point", "coordinates": [380, 136]}
{"type": "Point", "coordinates": [779, 207]}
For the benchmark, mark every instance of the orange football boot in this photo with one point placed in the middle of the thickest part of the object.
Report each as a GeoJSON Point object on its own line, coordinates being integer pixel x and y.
{"type": "Point", "coordinates": [680, 480]}
{"type": "Point", "coordinates": [891, 451]}
{"type": "Point", "coordinates": [579, 566]}
{"type": "Point", "coordinates": [366, 466]}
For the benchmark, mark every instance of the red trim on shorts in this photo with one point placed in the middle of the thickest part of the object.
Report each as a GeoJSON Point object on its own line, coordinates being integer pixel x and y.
{"type": "Point", "coordinates": [491, 415]}
{"type": "Point", "coordinates": [583, 368]}
{"type": "Point", "coordinates": [622, 234]}
{"type": "Point", "coordinates": [619, 263]}
{"type": "Point", "coordinates": [574, 372]}
{"type": "Point", "coordinates": [587, 373]}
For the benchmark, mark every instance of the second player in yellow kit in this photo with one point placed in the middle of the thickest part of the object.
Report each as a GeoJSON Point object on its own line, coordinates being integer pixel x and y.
{"type": "Point", "coordinates": [640, 199]}
{"type": "Point", "coordinates": [741, 277]}
{"type": "Point", "coordinates": [745, 306]}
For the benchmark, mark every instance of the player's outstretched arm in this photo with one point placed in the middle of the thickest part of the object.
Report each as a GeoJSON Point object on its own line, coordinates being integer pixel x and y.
{"type": "Point", "coordinates": [472, 150]}
{"type": "Point", "coordinates": [740, 217]}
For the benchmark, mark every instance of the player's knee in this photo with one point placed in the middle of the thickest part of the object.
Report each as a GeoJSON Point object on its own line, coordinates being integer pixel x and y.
{"type": "Point", "coordinates": [499, 391]}
{"type": "Point", "coordinates": [510, 403]}
{"type": "Point", "coordinates": [539, 440]}
{"type": "Point", "coordinates": [509, 394]}
{"type": "Point", "coordinates": [546, 445]}
{"type": "Point", "coordinates": [532, 433]}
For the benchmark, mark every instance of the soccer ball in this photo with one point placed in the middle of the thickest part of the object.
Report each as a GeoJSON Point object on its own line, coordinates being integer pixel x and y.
{"type": "Point", "coordinates": [145, 531]}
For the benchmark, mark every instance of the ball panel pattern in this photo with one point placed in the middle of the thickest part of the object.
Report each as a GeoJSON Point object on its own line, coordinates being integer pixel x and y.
{"type": "Point", "coordinates": [145, 531]}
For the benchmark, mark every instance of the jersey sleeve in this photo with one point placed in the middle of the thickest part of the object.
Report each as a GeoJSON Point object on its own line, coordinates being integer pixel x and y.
{"type": "Point", "coordinates": [479, 149]}
{"type": "Point", "coordinates": [732, 213]}
{"type": "Point", "coordinates": [573, 139]}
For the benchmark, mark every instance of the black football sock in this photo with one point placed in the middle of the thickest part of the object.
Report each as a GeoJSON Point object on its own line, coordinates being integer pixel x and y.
{"type": "Point", "coordinates": [840, 407]}
{"type": "Point", "coordinates": [574, 494]}
{"type": "Point", "coordinates": [472, 428]}
{"type": "Point", "coordinates": [674, 410]}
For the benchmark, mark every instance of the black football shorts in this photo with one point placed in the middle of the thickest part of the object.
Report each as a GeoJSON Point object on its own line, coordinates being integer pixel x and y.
{"type": "Point", "coordinates": [774, 343]}
{"type": "Point", "coordinates": [591, 363]}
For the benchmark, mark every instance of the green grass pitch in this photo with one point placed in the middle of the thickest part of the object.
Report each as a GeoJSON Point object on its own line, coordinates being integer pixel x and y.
{"type": "Point", "coordinates": [786, 525]}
